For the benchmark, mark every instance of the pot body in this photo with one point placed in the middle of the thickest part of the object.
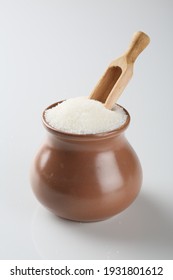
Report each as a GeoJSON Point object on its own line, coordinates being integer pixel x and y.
{"type": "Point", "coordinates": [85, 177]}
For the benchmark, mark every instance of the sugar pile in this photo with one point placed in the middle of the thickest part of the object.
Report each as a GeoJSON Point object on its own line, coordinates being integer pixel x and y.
{"type": "Point", "coordinates": [81, 115]}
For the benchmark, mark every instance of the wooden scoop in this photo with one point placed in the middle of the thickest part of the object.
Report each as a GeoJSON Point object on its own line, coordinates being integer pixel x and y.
{"type": "Point", "coordinates": [119, 72]}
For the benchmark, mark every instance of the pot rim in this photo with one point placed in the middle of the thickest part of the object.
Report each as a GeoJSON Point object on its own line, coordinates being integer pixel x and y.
{"type": "Point", "coordinates": [94, 136]}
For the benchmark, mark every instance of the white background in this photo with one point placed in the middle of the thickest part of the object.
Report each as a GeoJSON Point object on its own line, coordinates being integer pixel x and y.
{"type": "Point", "coordinates": [55, 49]}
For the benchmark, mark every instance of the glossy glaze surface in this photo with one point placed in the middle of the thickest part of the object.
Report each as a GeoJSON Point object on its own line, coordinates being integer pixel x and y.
{"type": "Point", "coordinates": [86, 177]}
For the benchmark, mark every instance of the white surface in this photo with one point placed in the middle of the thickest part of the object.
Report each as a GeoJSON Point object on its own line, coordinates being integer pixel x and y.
{"type": "Point", "coordinates": [52, 50]}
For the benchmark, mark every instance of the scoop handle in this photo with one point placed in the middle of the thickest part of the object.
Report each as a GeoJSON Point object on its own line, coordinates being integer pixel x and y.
{"type": "Point", "coordinates": [139, 42]}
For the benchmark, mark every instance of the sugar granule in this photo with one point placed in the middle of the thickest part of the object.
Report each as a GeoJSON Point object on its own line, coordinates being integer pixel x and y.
{"type": "Point", "coordinates": [81, 115]}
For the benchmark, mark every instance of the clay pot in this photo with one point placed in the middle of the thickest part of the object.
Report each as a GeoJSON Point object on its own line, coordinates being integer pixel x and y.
{"type": "Point", "coordinates": [86, 177]}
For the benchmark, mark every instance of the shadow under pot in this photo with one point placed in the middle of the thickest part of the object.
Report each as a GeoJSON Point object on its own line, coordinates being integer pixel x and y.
{"type": "Point", "coordinates": [86, 177]}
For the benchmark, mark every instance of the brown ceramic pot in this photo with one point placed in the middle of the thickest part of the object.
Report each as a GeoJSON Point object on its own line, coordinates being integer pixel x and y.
{"type": "Point", "coordinates": [86, 177]}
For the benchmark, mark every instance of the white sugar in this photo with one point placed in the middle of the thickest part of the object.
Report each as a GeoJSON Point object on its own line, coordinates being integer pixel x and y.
{"type": "Point", "coordinates": [81, 115]}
